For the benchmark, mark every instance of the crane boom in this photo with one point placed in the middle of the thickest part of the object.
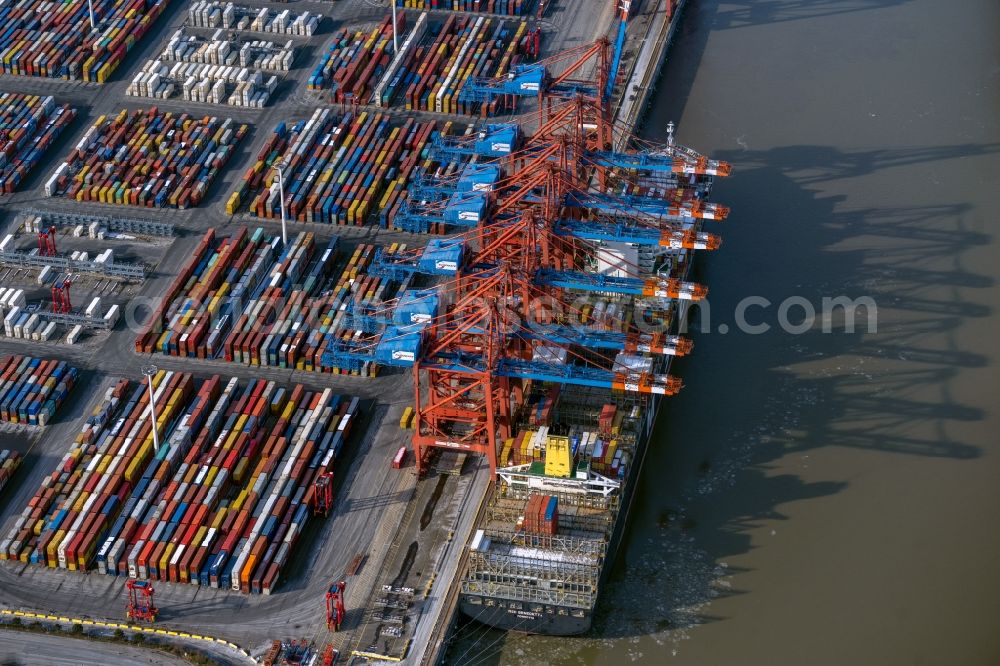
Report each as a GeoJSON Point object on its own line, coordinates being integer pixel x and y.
{"type": "Point", "coordinates": [652, 286]}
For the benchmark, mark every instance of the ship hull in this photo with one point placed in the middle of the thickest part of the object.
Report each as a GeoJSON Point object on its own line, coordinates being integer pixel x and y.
{"type": "Point", "coordinates": [552, 620]}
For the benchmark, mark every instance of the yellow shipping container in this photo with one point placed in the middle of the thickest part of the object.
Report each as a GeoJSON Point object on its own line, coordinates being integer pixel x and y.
{"type": "Point", "coordinates": [135, 467]}
{"type": "Point", "coordinates": [404, 420]}
{"type": "Point", "coordinates": [233, 204]}
{"type": "Point", "coordinates": [165, 558]}
{"type": "Point", "coordinates": [51, 549]}
{"type": "Point", "coordinates": [508, 445]}
{"type": "Point", "coordinates": [219, 517]}
{"type": "Point", "coordinates": [240, 469]}
{"type": "Point", "coordinates": [558, 460]}
{"type": "Point", "coordinates": [240, 499]}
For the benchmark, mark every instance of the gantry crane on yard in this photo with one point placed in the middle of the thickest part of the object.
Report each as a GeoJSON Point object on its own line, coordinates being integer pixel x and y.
{"type": "Point", "coordinates": [330, 655]}
{"type": "Point", "coordinates": [323, 494]}
{"type": "Point", "coordinates": [139, 601]}
{"type": "Point", "coordinates": [60, 294]}
{"type": "Point", "coordinates": [335, 606]}
{"type": "Point", "coordinates": [47, 242]}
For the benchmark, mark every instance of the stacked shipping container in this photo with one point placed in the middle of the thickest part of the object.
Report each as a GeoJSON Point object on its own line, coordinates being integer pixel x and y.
{"type": "Point", "coordinates": [431, 75]}
{"type": "Point", "coordinates": [32, 389]}
{"type": "Point", "coordinates": [336, 168]}
{"type": "Point", "coordinates": [213, 70]}
{"type": "Point", "coordinates": [212, 14]}
{"type": "Point", "coordinates": [147, 158]}
{"type": "Point", "coordinates": [258, 54]}
{"type": "Point", "coordinates": [41, 38]}
{"type": "Point", "coordinates": [9, 462]}
{"type": "Point", "coordinates": [212, 84]}
{"type": "Point", "coordinates": [504, 7]}
{"type": "Point", "coordinates": [28, 125]}
{"type": "Point", "coordinates": [252, 301]}
{"type": "Point", "coordinates": [541, 514]}
{"type": "Point", "coordinates": [597, 451]}
{"type": "Point", "coordinates": [354, 61]}
{"type": "Point", "coordinates": [221, 503]}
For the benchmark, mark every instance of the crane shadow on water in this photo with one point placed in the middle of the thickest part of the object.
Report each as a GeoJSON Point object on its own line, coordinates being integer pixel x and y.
{"type": "Point", "coordinates": [752, 401]}
{"type": "Point", "coordinates": [717, 469]}
{"type": "Point", "coordinates": [745, 13]}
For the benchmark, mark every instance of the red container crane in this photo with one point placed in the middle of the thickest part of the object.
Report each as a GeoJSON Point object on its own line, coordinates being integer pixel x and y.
{"type": "Point", "coordinates": [60, 294]}
{"type": "Point", "coordinates": [335, 606]}
{"type": "Point", "coordinates": [47, 242]}
{"type": "Point", "coordinates": [330, 655]}
{"type": "Point", "coordinates": [323, 495]}
{"type": "Point", "coordinates": [139, 596]}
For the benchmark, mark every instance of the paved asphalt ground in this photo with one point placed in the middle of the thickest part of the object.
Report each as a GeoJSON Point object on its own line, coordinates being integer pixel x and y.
{"type": "Point", "coordinates": [20, 648]}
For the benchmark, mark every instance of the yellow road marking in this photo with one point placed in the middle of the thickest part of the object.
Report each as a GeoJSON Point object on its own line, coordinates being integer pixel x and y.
{"type": "Point", "coordinates": [119, 625]}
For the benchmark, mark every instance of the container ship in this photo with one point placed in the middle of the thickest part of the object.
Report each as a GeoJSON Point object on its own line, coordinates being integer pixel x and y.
{"type": "Point", "coordinates": [556, 513]}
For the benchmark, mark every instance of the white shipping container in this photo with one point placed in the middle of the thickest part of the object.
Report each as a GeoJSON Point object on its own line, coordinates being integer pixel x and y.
{"type": "Point", "coordinates": [8, 321]}
{"type": "Point", "coordinates": [112, 316]}
{"type": "Point", "coordinates": [48, 331]}
{"type": "Point", "coordinates": [44, 275]}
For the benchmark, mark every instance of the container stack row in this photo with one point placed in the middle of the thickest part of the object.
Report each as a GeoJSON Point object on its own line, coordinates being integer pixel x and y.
{"type": "Point", "coordinates": [337, 169]}
{"type": "Point", "coordinates": [9, 462]}
{"type": "Point", "coordinates": [152, 330]}
{"type": "Point", "coordinates": [147, 158]}
{"type": "Point", "coordinates": [18, 321]}
{"type": "Point", "coordinates": [430, 75]}
{"type": "Point", "coordinates": [226, 15]}
{"type": "Point", "coordinates": [541, 515]}
{"type": "Point", "coordinates": [49, 39]}
{"type": "Point", "coordinates": [221, 503]}
{"type": "Point", "coordinates": [33, 389]}
{"type": "Point", "coordinates": [210, 84]}
{"type": "Point", "coordinates": [28, 125]}
{"type": "Point", "coordinates": [355, 61]}
{"type": "Point", "coordinates": [247, 288]}
{"type": "Point", "coordinates": [586, 449]}
{"type": "Point", "coordinates": [257, 54]}
{"type": "Point", "coordinates": [503, 7]}
{"type": "Point", "coordinates": [251, 301]}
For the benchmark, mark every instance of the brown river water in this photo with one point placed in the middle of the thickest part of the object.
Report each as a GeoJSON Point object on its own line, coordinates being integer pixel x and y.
{"type": "Point", "coordinates": [822, 497]}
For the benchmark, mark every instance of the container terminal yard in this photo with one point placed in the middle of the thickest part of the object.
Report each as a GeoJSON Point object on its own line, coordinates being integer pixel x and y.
{"type": "Point", "coordinates": [332, 518]}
